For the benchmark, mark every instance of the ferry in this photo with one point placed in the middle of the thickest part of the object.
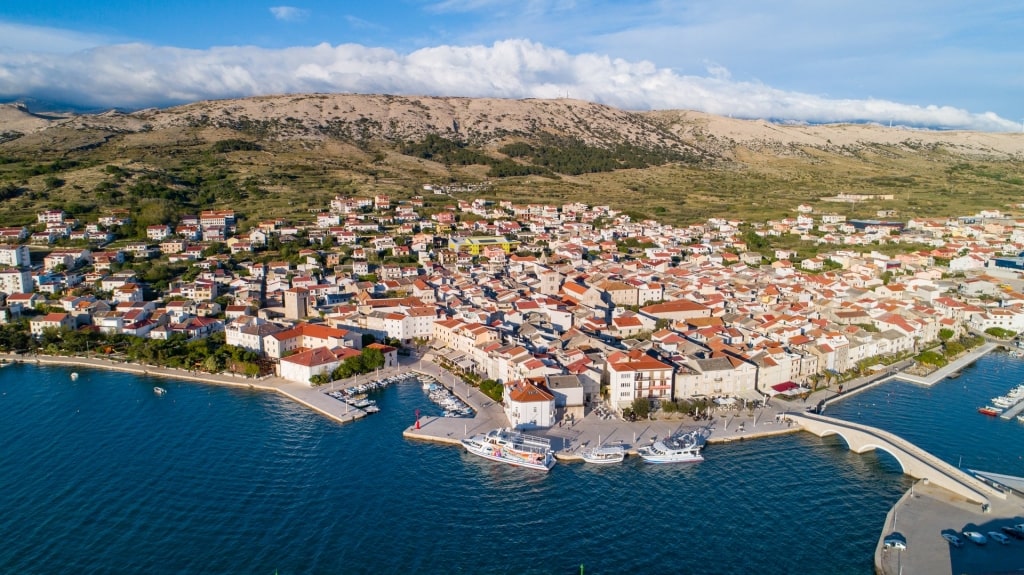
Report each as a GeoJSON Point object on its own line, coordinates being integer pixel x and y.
{"type": "Point", "coordinates": [989, 410]}
{"type": "Point", "coordinates": [605, 455]}
{"type": "Point", "coordinates": [512, 447]}
{"type": "Point", "coordinates": [683, 448]}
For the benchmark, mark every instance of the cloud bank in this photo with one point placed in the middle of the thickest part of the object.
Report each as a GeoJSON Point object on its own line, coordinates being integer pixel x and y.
{"type": "Point", "coordinates": [140, 75]}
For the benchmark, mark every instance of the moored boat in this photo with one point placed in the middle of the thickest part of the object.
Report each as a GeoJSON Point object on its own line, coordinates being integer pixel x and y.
{"type": "Point", "coordinates": [989, 410]}
{"type": "Point", "coordinates": [512, 447]}
{"type": "Point", "coordinates": [602, 455]}
{"type": "Point", "coordinates": [683, 448]}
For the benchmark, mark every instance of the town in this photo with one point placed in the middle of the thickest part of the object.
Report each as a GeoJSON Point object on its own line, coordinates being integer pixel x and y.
{"type": "Point", "coordinates": [561, 309]}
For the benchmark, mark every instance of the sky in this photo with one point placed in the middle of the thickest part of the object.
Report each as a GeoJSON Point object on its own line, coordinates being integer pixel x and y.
{"type": "Point", "coordinates": [947, 64]}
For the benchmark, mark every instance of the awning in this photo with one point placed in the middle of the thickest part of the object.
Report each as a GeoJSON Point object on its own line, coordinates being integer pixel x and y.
{"type": "Point", "coordinates": [784, 387]}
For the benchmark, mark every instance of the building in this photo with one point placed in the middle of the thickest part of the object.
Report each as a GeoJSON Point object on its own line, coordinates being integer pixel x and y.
{"type": "Point", "coordinates": [528, 405]}
{"type": "Point", "coordinates": [15, 281]}
{"type": "Point", "coordinates": [56, 321]}
{"type": "Point", "coordinates": [296, 303]}
{"type": "Point", "coordinates": [633, 375]}
{"type": "Point", "coordinates": [473, 245]}
{"type": "Point", "coordinates": [14, 256]}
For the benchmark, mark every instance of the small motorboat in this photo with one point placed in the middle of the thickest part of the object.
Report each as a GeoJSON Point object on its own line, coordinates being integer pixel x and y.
{"type": "Point", "coordinates": [74, 376]}
{"type": "Point", "coordinates": [605, 454]}
{"type": "Point", "coordinates": [159, 390]}
{"type": "Point", "coordinates": [989, 410]}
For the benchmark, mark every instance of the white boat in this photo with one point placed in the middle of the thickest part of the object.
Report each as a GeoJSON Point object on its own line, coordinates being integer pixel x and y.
{"type": "Point", "coordinates": [683, 448]}
{"type": "Point", "coordinates": [512, 447]}
{"type": "Point", "coordinates": [74, 376]}
{"type": "Point", "coordinates": [602, 455]}
{"type": "Point", "coordinates": [159, 390]}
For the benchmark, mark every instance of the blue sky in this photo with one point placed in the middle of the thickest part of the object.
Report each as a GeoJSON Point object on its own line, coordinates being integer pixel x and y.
{"type": "Point", "coordinates": [942, 63]}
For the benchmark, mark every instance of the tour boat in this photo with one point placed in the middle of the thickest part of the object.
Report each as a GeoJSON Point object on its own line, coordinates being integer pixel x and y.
{"type": "Point", "coordinates": [989, 410]}
{"type": "Point", "coordinates": [512, 447]}
{"type": "Point", "coordinates": [683, 448]}
{"type": "Point", "coordinates": [159, 390]}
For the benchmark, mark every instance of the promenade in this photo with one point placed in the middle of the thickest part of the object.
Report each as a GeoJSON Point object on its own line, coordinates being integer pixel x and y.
{"type": "Point", "coordinates": [311, 397]}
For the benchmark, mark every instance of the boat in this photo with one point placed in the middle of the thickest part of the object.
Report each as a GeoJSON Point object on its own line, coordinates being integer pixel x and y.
{"type": "Point", "coordinates": [989, 410]}
{"type": "Point", "coordinates": [976, 537]}
{"type": "Point", "coordinates": [512, 447]}
{"type": "Point", "coordinates": [74, 376]}
{"type": "Point", "coordinates": [602, 455]}
{"type": "Point", "coordinates": [1020, 418]}
{"type": "Point", "coordinates": [684, 448]}
{"type": "Point", "coordinates": [159, 390]}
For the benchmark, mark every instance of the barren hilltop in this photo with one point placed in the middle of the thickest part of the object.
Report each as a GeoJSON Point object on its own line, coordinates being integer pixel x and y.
{"type": "Point", "coordinates": [553, 148]}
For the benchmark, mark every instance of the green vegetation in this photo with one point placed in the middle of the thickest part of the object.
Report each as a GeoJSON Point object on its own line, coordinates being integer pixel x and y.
{"type": "Point", "coordinates": [1000, 332]}
{"type": "Point", "coordinates": [492, 389]}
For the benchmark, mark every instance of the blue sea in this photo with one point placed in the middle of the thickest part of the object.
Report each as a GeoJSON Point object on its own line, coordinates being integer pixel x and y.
{"type": "Point", "coordinates": [100, 475]}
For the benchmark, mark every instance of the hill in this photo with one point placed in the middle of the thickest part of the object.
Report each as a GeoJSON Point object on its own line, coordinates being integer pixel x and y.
{"type": "Point", "coordinates": [287, 155]}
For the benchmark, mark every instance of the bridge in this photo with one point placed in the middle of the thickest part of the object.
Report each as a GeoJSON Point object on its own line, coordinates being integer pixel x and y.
{"type": "Point", "coordinates": [913, 460]}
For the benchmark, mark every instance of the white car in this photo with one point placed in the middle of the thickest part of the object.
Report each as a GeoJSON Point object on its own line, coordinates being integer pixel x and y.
{"type": "Point", "coordinates": [976, 537]}
{"type": "Point", "coordinates": [895, 541]}
{"type": "Point", "coordinates": [998, 537]}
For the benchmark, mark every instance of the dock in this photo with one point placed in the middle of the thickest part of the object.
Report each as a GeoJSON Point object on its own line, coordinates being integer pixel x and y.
{"type": "Point", "coordinates": [1013, 411]}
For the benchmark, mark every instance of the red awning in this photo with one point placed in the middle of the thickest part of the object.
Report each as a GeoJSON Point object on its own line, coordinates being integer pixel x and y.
{"type": "Point", "coordinates": [784, 387]}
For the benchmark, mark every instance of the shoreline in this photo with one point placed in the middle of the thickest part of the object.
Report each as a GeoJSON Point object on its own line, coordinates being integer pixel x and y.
{"type": "Point", "coordinates": [308, 397]}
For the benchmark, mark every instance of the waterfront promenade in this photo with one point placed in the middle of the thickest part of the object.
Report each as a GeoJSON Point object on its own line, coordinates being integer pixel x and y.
{"type": "Point", "coordinates": [311, 397]}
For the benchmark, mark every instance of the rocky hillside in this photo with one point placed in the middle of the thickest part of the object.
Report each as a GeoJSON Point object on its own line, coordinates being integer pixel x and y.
{"type": "Point", "coordinates": [489, 122]}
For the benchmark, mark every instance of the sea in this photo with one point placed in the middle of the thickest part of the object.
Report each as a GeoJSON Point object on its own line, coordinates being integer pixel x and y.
{"type": "Point", "coordinates": [101, 475]}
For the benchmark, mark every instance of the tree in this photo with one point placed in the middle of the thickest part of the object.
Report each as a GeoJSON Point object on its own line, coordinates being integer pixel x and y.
{"type": "Point", "coordinates": [945, 334]}
{"type": "Point", "coordinates": [641, 406]}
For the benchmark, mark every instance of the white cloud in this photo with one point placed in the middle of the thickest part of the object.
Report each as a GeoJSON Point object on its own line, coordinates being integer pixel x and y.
{"type": "Point", "coordinates": [136, 75]}
{"type": "Point", "coordinates": [289, 13]}
{"type": "Point", "coordinates": [27, 38]}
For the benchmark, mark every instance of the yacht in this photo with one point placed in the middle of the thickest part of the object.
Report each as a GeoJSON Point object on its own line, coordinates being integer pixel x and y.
{"type": "Point", "coordinates": [601, 455]}
{"type": "Point", "coordinates": [683, 448]}
{"type": "Point", "coordinates": [512, 447]}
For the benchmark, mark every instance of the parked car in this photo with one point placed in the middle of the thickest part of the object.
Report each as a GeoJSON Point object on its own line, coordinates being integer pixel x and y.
{"type": "Point", "coordinates": [998, 537]}
{"type": "Point", "coordinates": [895, 541]}
{"type": "Point", "coordinates": [976, 537]}
{"type": "Point", "coordinates": [1013, 531]}
{"type": "Point", "coordinates": [953, 540]}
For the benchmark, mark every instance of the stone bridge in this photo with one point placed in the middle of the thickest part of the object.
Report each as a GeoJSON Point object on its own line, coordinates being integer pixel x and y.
{"type": "Point", "coordinates": [914, 461]}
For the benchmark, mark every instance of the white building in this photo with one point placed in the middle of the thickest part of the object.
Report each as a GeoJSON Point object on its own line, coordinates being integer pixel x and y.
{"type": "Point", "coordinates": [528, 406]}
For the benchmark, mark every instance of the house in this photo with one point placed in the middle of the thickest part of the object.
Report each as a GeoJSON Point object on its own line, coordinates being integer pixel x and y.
{"type": "Point", "coordinates": [302, 366]}
{"type": "Point", "coordinates": [635, 374]}
{"type": "Point", "coordinates": [528, 405]}
{"type": "Point", "coordinates": [58, 321]}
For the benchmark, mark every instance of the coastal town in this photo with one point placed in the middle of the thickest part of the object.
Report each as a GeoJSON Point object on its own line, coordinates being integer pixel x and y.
{"type": "Point", "coordinates": [565, 319]}
{"type": "Point", "coordinates": [564, 307]}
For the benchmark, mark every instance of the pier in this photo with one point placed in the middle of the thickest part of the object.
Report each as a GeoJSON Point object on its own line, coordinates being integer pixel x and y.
{"type": "Point", "coordinates": [1013, 411]}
